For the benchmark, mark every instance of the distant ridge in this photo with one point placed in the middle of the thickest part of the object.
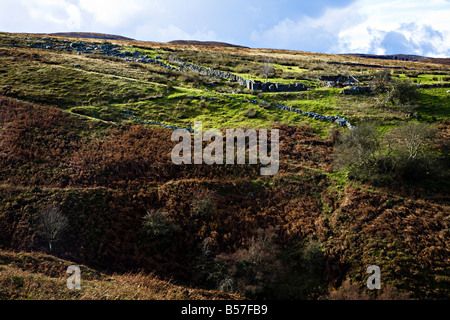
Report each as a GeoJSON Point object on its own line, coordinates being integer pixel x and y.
{"type": "Point", "coordinates": [403, 57]}
{"type": "Point", "coordinates": [205, 43]}
{"type": "Point", "coordinates": [89, 35]}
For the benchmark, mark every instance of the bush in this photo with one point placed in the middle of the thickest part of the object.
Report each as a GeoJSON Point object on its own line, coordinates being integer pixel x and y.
{"type": "Point", "coordinates": [363, 151]}
{"type": "Point", "coordinates": [158, 225]}
{"type": "Point", "coordinates": [254, 271]}
{"type": "Point", "coordinates": [380, 81]}
{"type": "Point", "coordinates": [402, 92]}
{"type": "Point", "coordinates": [404, 154]}
{"type": "Point", "coordinates": [413, 156]}
{"type": "Point", "coordinates": [204, 208]}
{"type": "Point", "coordinates": [334, 135]}
{"type": "Point", "coordinates": [250, 113]}
{"type": "Point", "coordinates": [304, 272]}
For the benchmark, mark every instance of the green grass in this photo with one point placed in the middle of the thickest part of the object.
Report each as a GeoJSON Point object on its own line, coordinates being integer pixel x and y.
{"type": "Point", "coordinates": [293, 69]}
{"type": "Point", "coordinates": [423, 78]}
{"type": "Point", "coordinates": [105, 89]}
{"type": "Point", "coordinates": [434, 104]}
{"type": "Point", "coordinates": [65, 87]}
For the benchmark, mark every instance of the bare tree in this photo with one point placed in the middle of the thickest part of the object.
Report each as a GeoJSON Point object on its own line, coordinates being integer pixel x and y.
{"type": "Point", "coordinates": [413, 138]}
{"type": "Point", "coordinates": [267, 69]}
{"type": "Point", "coordinates": [53, 222]}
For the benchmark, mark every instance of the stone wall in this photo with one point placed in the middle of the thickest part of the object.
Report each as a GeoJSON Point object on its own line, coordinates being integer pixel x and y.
{"type": "Point", "coordinates": [249, 84]}
{"type": "Point", "coordinates": [136, 56]}
{"type": "Point", "coordinates": [275, 87]}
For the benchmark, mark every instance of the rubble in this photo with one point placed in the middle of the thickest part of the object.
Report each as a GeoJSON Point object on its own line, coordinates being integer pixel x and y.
{"type": "Point", "coordinates": [104, 49]}
{"type": "Point", "coordinates": [340, 121]}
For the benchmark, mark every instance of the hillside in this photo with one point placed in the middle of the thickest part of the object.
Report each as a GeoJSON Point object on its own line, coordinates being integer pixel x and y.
{"type": "Point", "coordinates": [85, 130]}
{"type": "Point", "coordinates": [406, 57]}
{"type": "Point", "coordinates": [38, 276]}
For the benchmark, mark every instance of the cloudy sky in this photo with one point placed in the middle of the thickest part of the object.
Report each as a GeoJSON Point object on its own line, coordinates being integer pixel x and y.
{"type": "Point", "coordinates": [339, 26]}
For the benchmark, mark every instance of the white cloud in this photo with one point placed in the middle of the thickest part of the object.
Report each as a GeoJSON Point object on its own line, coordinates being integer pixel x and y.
{"type": "Point", "coordinates": [310, 34]}
{"type": "Point", "coordinates": [74, 20]}
{"type": "Point", "coordinates": [382, 17]}
{"type": "Point", "coordinates": [116, 13]}
{"type": "Point", "coordinates": [172, 32]}
{"type": "Point", "coordinates": [374, 26]}
{"type": "Point", "coordinates": [367, 26]}
{"type": "Point", "coordinates": [48, 11]}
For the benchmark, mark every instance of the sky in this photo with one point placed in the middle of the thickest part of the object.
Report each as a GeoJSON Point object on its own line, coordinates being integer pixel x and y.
{"type": "Point", "coordinates": [329, 26]}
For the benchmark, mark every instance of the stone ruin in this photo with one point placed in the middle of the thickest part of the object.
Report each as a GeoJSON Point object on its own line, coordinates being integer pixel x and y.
{"type": "Point", "coordinates": [113, 50]}
{"type": "Point", "coordinates": [275, 87]}
{"type": "Point", "coordinates": [356, 90]}
{"type": "Point", "coordinates": [106, 49]}
{"type": "Point", "coordinates": [339, 81]}
{"type": "Point", "coordinates": [249, 84]}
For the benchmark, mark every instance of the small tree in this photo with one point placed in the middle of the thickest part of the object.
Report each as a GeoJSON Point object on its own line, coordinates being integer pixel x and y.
{"type": "Point", "coordinates": [267, 69]}
{"type": "Point", "coordinates": [365, 152]}
{"type": "Point", "coordinates": [403, 154]}
{"type": "Point", "coordinates": [415, 158]}
{"type": "Point", "coordinates": [254, 271]}
{"type": "Point", "coordinates": [381, 81]}
{"type": "Point", "coordinates": [53, 223]}
{"type": "Point", "coordinates": [413, 138]}
{"type": "Point", "coordinates": [402, 92]}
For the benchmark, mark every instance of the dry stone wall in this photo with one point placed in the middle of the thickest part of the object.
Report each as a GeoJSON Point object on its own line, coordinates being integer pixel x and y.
{"type": "Point", "coordinates": [136, 56]}
{"type": "Point", "coordinates": [250, 84]}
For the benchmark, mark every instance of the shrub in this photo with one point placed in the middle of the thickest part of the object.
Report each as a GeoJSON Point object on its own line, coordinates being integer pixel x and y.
{"type": "Point", "coordinates": [204, 208]}
{"type": "Point", "coordinates": [253, 271]}
{"type": "Point", "coordinates": [304, 272]}
{"type": "Point", "coordinates": [402, 92]}
{"type": "Point", "coordinates": [412, 74]}
{"type": "Point", "coordinates": [158, 225]}
{"type": "Point", "coordinates": [250, 113]}
{"type": "Point", "coordinates": [334, 135]}
{"type": "Point", "coordinates": [404, 154]}
{"type": "Point", "coordinates": [363, 151]}
{"type": "Point", "coordinates": [413, 155]}
{"type": "Point", "coordinates": [211, 271]}
{"type": "Point", "coordinates": [380, 81]}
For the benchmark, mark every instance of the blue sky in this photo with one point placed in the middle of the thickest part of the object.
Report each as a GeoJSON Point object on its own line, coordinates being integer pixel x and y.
{"type": "Point", "coordinates": [343, 26]}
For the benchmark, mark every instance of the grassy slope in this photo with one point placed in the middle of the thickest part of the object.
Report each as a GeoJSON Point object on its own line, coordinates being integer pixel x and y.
{"type": "Point", "coordinates": [112, 86]}
{"type": "Point", "coordinates": [307, 200]}
{"type": "Point", "coordinates": [37, 276]}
